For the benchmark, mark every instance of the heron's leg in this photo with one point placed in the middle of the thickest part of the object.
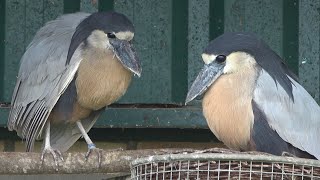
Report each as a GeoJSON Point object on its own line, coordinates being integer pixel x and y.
{"type": "Point", "coordinates": [48, 149]}
{"type": "Point", "coordinates": [91, 145]}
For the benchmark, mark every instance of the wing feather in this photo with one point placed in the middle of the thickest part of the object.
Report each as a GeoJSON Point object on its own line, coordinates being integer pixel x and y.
{"type": "Point", "coordinates": [43, 76]}
{"type": "Point", "coordinates": [297, 121]}
{"type": "Point", "coordinates": [63, 136]}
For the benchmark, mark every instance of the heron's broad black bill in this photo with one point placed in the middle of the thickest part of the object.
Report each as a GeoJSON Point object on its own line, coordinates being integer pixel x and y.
{"type": "Point", "coordinates": [206, 77]}
{"type": "Point", "coordinates": [126, 55]}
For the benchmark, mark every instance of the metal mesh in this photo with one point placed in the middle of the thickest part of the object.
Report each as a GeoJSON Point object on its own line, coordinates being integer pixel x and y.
{"type": "Point", "coordinates": [224, 166]}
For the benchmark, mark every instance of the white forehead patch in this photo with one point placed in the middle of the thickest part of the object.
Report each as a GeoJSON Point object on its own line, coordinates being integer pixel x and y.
{"type": "Point", "coordinates": [236, 61]}
{"type": "Point", "coordinates": [126, 35]}
{"type": "Point", "coordinates": [208, 58]}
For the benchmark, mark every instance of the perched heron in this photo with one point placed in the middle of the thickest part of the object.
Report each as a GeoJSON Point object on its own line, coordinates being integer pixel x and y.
{"type": "Point", "coordinates": [75, 66]}
{"type": "Point", "coordinates": [252, 101]}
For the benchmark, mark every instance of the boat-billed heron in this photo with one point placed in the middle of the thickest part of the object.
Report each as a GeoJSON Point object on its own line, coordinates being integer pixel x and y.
{"type": "Point", "coordinates": [75, 66]}
{"type": "Point", "coordinates": [253, 102]}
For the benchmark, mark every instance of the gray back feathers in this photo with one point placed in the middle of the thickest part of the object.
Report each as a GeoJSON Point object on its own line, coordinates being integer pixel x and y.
{"type": "Point", "coordinates": [297, 122]}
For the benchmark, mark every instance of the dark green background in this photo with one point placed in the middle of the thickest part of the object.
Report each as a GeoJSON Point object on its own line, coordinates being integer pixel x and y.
{"type": "Point", "coordinates": [170, 36]}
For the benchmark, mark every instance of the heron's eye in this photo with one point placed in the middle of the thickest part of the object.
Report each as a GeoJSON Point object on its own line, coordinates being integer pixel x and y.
{"type": "Point", "coordinates": [221, 58]}
{"type": "Point", "coordinates": [111, 35]}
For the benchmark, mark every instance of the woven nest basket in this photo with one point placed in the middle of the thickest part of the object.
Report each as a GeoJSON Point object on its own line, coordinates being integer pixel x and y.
{"type": "Point", "coordinates": [223, 164]}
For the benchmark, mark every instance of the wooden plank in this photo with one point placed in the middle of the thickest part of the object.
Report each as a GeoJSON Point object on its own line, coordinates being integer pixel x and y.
{"type": "Point", "coordinates": [52, 9]}
{"type": "Point", "coordinates": [198, 36]}
{"type": "Point", "coordinates": [127, 8]}
{"type": "Point", "coordinates": [89, 6]}
{"type": "Point", "coordinates": [153, 45]}
{"type": "Point", "coordinates": [2, 44]}
{"type": "Point", "coordinates": [14, 47]}
{"type": "Point", "coordinates": [216, 18]}
{"type": "Point", "coordinates": [179, 45]}
{"type": "Point", "coordinates": [291, 34]}
{"type": "Point", "coordinates": [309, 46]}
{"type": "Point", "coordinates": [234, 15]}
{"type": "Point", "coordinates": [263, 17]}
{"type": "Point", "coordinates": [71, 6]}
{"type": "Point", "coordinates": [187, 117]}
{"type": "Point", "coordinates": [34, 19]}
{"type": "Point", "coordinates": [23, 20]}
{"type": "Point", "coordinates": [106, 5]}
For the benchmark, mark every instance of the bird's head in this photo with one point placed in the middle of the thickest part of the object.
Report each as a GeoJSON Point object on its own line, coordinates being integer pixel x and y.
{"type": "Point", "coordinates": [230, 53]}
{"type": "Point", "coordinates": [111, 31]}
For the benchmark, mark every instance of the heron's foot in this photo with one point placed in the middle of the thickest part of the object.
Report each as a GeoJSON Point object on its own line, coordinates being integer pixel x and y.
{"type": "Point", "coordinates": [93, 149]}
{"type": "Point", "coordinates": [56, 154]}
{"type": "Point", "coordinates": [287, 154]}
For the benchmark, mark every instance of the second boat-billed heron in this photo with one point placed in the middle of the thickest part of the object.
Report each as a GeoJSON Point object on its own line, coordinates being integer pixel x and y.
{"type": "Point", "coordinates": [74, 67]}
{"type": "Point", "coordinates": [252, 101]}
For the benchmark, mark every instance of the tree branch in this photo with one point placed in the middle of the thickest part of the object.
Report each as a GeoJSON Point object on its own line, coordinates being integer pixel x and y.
{"type": "Point", "coordinates": [75, 163]}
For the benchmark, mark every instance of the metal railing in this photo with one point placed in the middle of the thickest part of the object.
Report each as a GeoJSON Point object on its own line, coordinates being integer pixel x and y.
{"type": "Point", "coordinates": [224, 166]}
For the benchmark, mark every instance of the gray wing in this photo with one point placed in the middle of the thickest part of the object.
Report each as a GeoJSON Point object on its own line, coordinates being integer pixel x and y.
{"type": "Point", "coordinates": [296, 121]}
{"type": "Point", "coordinates": [43, 76]}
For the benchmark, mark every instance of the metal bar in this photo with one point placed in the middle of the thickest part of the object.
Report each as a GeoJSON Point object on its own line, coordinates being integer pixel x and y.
{"type": "Point", "coordinates": [171, 169]}
{"type": "Point", "coordinates": [250, 169]}
{"type": "Point", "coordinates": [145, 171]}
{"type": "Point", "coordinates": [240, 170]}
{"type": "Point", "coordinates": [282, 175]}
{"type": "Point", "coordinates": [188, 170]}
{"type": "Point", "coordinates": [198, 170]}
{"type": "Point", "coordinates": [179, 177]}
{"type": "Point", "coordinates": [157, 172]}
{"type": "Point", "coordinates": [229, 170]}
{"type": "Point", "coordinates": [208, 175]}
{"type": "Point", "coordinates": [164, 171]}
{"type": "Point", "coordinates": [219, 169]}
{"type": "Point", "coordinates": [227, 157]}
{"type": "Point", "coordinates": [261, 170]}
{"type": "Point", "coordinates": [272, 174]}
{"type": "Point", "coordinates": [151, 165]}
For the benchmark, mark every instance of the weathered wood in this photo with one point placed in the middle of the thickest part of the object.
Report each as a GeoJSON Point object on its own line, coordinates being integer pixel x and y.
{"type": "Point", "coordinates": [309, 46]}
{"type": "Point", "coordinates": [262, 17]}
{"type": "Point", "coordinates": [152, 42]}
{"type": "Point", "coordinates": [198, 36]}
{"type": "Point", "coordinates": [16, 163]}
{"type": "Point", "coordinates": [14, 44]}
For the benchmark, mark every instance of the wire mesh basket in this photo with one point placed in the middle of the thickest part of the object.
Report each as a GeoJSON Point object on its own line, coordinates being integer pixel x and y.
{"type": "Point", "coordinates": [217, 164]}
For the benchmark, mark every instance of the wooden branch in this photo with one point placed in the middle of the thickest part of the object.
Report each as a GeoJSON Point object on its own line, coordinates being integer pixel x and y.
{"type": "Point", "coordinates": [75, 163]}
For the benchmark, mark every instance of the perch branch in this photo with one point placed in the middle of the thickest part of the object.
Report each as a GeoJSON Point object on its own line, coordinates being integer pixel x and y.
{"type": "Point", "coordinates": [75, 163]}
